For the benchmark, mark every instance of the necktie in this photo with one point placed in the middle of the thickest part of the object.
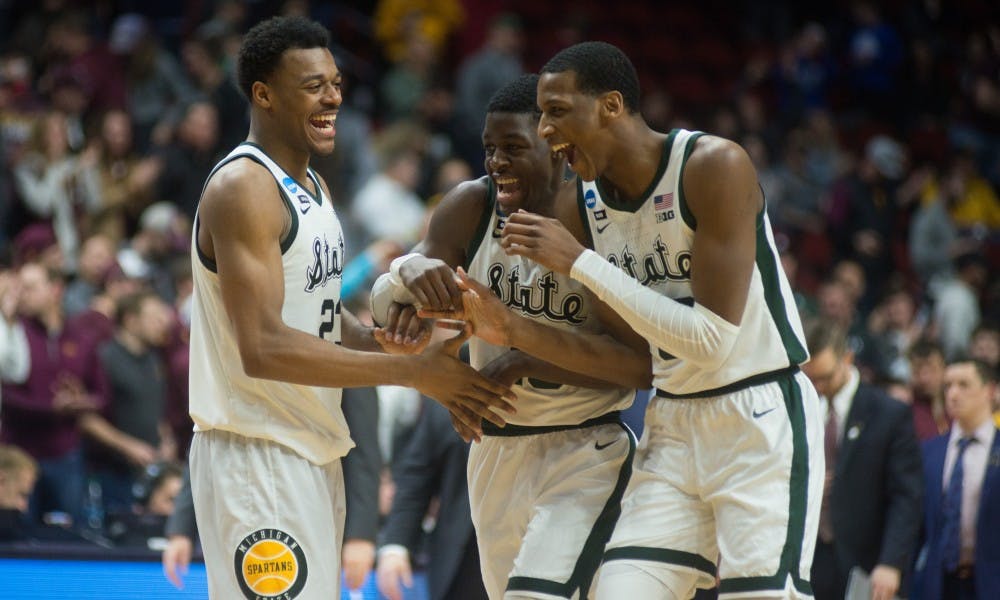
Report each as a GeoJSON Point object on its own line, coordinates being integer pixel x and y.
{"type": "Point", "coordinates": [831, 433]}
{"type": "Point", "coordinates": [953, 510]}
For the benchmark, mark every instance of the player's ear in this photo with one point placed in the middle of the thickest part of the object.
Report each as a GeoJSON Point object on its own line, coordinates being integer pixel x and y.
{"type": "Point", "coordinates": [612, 104]}
{"type": "Point", "coordinates": [261, 94]}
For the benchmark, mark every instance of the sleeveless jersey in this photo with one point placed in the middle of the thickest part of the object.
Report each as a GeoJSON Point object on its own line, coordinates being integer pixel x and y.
{"type": "Point", "coordinates": [652, 243]}
{"type": "Point", "coordinates": [537, 293]}
{"type": "Point", "coordinates": [307, 419]}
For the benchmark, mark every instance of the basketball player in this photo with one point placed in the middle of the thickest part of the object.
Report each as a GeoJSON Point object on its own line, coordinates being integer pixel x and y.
{"type": "Point", "coordinates": [730, 462]}
{"type": "Point", "coordinates": [270, 345]}
{"type": "Point", "coordinates": [545, 490]}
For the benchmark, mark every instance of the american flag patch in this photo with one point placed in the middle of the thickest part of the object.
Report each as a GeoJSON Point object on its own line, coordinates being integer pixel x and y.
{"type": "Point", "coordinates": [663, 202]}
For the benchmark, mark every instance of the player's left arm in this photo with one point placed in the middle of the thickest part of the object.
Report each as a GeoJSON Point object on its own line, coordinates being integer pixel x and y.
{"type": "Point", "coordinates": [629, 368]}
{"type": "Point", "coordinates": [720, 187]}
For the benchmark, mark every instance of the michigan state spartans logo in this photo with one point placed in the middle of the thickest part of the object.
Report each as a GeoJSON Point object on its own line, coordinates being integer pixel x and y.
{"type": "Point", "coordinates": [270, 564]}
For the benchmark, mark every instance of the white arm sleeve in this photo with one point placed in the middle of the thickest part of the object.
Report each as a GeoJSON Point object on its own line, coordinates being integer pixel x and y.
{"type": "Point", "coordinates": [386, 290]}
{"type": "Point", "coordinates": [693, 333]}
{"type": "Point", "coordinates": [15, 356]}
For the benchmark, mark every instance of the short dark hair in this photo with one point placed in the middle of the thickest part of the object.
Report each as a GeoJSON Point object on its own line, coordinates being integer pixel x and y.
{"type": "Point", "coordinates": [822, 334]}
{"type": "Point", "coordinates": [131, 305]}
{"type": "Point", "coordinates": [518, 96]}
{"type": "Point", "coordinates": [264, 44]}
{"type": "Point", "coordinates": [600, 67]}
{"type": "Point", "coordinates": [925, 348]}
{"type": "Point", "coordinates": [987, 374]}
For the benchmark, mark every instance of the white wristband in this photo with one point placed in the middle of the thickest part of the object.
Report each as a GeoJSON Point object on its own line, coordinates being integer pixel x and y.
{"type": "Point", "coordinates": [397, 549]}
{"type": "Point", "coordinates": [397, 263]}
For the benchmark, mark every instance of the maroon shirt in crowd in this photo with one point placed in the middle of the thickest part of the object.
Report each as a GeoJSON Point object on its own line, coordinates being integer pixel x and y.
{"type": "Point", "coordinates": [30, 419]}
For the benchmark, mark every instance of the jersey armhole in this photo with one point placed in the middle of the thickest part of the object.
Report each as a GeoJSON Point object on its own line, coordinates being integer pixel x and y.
{"type": "Point", "coordinates": [686, 213]}
{"type": "Point", "coordinates": [286, 240]}
{"type": "Point", "coordinates": [581, 205]}
{"type": "Point", "coordinates": [482, 227]}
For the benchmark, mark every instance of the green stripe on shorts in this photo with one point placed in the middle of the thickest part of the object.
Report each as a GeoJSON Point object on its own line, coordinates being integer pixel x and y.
{"type": "Point", "coordinates": [791, 553]}
{"type": "Point", "coordinates": [590, 555]}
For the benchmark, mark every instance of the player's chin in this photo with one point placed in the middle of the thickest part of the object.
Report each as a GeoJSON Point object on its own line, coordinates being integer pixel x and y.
{"type": "Point", "coordinates": [322, 147]}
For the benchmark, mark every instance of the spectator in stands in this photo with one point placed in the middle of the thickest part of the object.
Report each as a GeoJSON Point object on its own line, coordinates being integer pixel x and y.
{"type": "Point", "coordinates": [55, 185]}
{"type": "Point", "coordinates": [434, 20]}
{"type": "Point", "coordinates": [895, 327]}
{"type": "Point", "coordinates": [188, 159]}
{"type": "Point", "coordinates": [97, 255]}
{"type": "Point", "coordinates": [18, 473]}
{"type": "Point", "coordinates": [392, 191]}
{"type": "Point", "coordinates": [403, 87]}
{"type": "Point", "coordinates": [927, 366]}
{"type": "Point", "coordinates": [956, 306]}
{"type": "Point", "coordinates": [862, 217]}
{"type": "Point", "coordinates": [162, 227]}
{"type": "Point", "coordinates": [72, 49]}
{"type": "Point", "coordinates": [481, 74]}
{"type": "Point", "coordinates": [126, 178]}
{"type": "Point", "coordinates": [15, 356]}
{"type": "Point", "coordinates": [875, 55]}
{"type": "Point", "coordinates": [157, 89]}
{"type": "Point", "coordinates": [985, 344]}
{"type": "Point", "coordinates": [203, 56]}
{"type": "Point", "coordinates": [131, 433]}
{"type": "Point", "coordinates": [65, 381]}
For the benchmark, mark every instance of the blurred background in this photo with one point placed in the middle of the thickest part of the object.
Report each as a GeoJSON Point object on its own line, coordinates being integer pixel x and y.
{"type": "Point", "coordinates": [874, 127]}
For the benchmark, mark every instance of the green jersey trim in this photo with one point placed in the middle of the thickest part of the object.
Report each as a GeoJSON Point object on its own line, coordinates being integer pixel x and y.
{"type": "Point", "coordinates": [317, 197]}
{"type": "Point", "coordinates": [482, 228]}
{"type": "Point", "coordinates": [686, 213]}
{"type": "Point", "coordinates": [633, 204]}
{"type": "Point", "coordinates": [285, 242]}
{"type": "Point", "coordinates": [770, 279]}
{"type": "Point", "coordinates": [581, 205]}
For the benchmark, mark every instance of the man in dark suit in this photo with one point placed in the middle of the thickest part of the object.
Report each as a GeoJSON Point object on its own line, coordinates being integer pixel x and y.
{"type": "Point", "coordinates": [433, 465]}
{"type": "Point", "coordinates": [960, 557]}
{"type": "Point", "coordinates": [362, 467]}
{"type": "Point", "coordinates": [870, 517]}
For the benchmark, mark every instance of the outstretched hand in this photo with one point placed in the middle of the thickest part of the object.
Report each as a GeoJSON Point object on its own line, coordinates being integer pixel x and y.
{"type": "Point", "coordinates": [481, 309]}
{"type": "Point", "coordinates": [542, 239]}
{"type": "Point", "coordinates": [467, 394]}
{"type": "Point", "coordinates": [404, 332]}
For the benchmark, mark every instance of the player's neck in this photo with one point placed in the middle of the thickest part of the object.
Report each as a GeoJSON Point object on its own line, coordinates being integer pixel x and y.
{"type": "Point", "coordinates": [292, 160]}
{"type": "Point", "coordinates": [635, 160]}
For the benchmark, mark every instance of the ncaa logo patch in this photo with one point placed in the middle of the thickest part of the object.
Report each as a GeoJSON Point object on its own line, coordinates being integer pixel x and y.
{"type": "Point", "coordinates": [290, 185]}
{"type": "Point", "coordinates": [270, 564]}
{"type": "Point", "coordinates": [590, 199]}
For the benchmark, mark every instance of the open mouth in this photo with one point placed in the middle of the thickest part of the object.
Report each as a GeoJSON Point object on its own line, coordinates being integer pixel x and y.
{"type": "Point", "coordinates": [508, 193]}
{"type": "Point", "coordinates": [566, 149]}
{"type": "Point", "coordinates": [324, 124]}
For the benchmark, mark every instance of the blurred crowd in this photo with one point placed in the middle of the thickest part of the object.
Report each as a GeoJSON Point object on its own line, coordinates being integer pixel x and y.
{"type": "Point", "coordinates": [875, 129]}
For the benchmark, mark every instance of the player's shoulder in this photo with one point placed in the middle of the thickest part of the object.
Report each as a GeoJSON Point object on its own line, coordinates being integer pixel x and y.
{"type": "Point", "coordinates": [241, 186]}
{"type": "Point", "coordinates": [240, 177]}
{"type": "Point", "coordinates": [712, 153]}
{"type": "Point", "coordinates": [466, 200]}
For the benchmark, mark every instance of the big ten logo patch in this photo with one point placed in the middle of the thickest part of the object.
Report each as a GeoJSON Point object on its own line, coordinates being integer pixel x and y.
{"type": "Point", "coordinates": [270, 564]}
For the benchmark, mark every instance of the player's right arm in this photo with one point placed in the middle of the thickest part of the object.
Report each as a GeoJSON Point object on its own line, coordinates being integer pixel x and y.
{"type": "Point", "coordinates": [428, 275]}
{"type": "Point", "coordinates": [242, 221]}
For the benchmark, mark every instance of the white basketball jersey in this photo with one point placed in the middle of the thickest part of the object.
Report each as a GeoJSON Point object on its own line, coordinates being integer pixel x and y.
{"type": "Point", "coordinates": [307, 419]}
{"type": "Point", "coordinates": [652, 243]}
{"type": "Point", "coordinates": [545, 296]}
